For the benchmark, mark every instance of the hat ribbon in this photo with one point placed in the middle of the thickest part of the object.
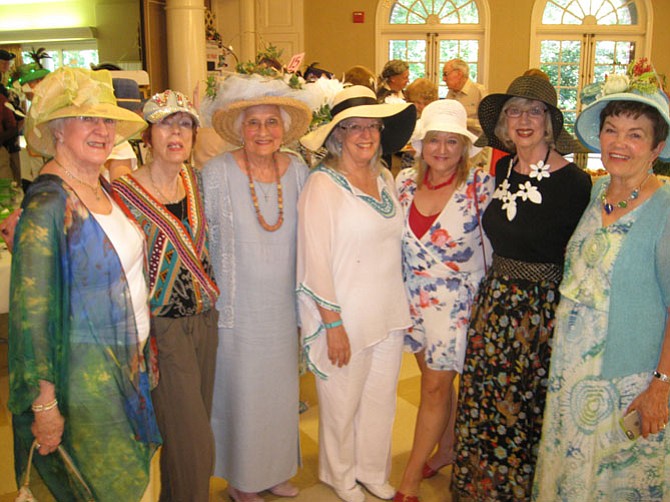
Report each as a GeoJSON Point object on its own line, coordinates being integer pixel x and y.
{"type": "Point", "coordinates": [351, 102]}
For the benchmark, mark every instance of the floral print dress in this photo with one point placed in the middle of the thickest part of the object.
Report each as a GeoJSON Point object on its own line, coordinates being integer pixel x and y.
{"type": "Point", "coordinates": [584, 454]}
{"type": "Point", "coordinates": [443, 268]}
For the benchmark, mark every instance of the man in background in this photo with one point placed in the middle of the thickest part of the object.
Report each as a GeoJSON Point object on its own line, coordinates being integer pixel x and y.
{"type": "Point", "coordinates": [456, 74]}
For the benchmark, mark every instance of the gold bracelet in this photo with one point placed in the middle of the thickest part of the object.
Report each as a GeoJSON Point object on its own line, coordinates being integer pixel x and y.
{"type": "Point", "coordinates": [37, 408]}
{"type": "Point", "coordinates": [662, 376]}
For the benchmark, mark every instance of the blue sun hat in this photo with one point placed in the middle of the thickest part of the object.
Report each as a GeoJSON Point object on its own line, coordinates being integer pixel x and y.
{"type": "Point", "coordinates": [640, 84]}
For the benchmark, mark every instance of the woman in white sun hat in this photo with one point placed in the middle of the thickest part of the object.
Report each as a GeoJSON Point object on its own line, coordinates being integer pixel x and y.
{"type": "Point", "coordinates": [352, 301]}
{"type": "Point", "coordinates": [445, 254]}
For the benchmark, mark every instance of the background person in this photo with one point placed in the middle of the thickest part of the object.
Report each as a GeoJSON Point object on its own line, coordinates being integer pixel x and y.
{"type": "Point", "coordinates": [79, 320]}
{"type": "Point", "coordinates": [538, 200]}
{"type": "Point", "coordinates": [445, 254]}
{"type": "Point", "coordinates": [611, 352]}
{"type": "Point", "coordinates": [360, 75]}
{"type": "Point", "coordinates": [352, 302]}
{"type": "Point", "coordinates": [165, 198]}
{"type": "Point", "coordinates": [251, 199]}
{"type": "Point", "coordinates": [420, 93]}
{"type": "Point", "coordinates": [392, 81]}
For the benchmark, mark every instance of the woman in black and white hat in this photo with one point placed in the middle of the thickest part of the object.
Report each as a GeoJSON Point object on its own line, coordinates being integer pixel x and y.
{"type": "Point", "coordinates": [352, 300]}
{"type": "Point", "coordinates": [537, 203]}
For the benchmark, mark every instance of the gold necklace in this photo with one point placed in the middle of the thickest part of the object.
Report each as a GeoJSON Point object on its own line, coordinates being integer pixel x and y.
{"type": "Point", "coordinates": [254, 198]}
{"type": "Point", "coordinates": [166, 200]}
{"type": "Point", "coordinates": [94, 188]}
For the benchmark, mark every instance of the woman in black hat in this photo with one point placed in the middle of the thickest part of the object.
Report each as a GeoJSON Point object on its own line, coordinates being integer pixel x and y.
{"type": "Point", "coordinates": [352, 301]}
{"type": "Point", "coordinates": [537, 203]}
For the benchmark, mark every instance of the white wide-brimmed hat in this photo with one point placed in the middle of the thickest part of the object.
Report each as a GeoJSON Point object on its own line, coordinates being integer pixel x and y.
{"type": "Point", "coordinates": [444, 115]}
{"type": "Point", "coordinates": [359, 101]}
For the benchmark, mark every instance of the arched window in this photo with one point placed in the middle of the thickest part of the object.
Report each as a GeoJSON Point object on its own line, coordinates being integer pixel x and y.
{"type": "Point", "coordinates": [578, 42]}
{"type": "Point", "coordinates": [428, 33]}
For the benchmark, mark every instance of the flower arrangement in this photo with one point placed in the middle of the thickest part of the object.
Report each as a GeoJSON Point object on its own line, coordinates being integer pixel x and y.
{"type": "Point", "coordinates": [640, 78]}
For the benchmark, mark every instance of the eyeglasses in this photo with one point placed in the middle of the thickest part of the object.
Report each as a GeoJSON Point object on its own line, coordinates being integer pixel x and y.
{"type": "Point", "coordinates": [93, 121]}
{"type": "Point", "coordinates": [358, 128]}
{"type": "Point", "coordinates": [254, 125]}
{"type": "Point", "coordinates": [445, 74]}
{"type": "Point", "coordinates": [179, 122]}
{"type": "Point", "coordinates": [535, 112]}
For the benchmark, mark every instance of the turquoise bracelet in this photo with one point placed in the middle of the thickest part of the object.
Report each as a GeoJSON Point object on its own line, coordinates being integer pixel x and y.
{"type": "Point", "coordinates": [333, 324]}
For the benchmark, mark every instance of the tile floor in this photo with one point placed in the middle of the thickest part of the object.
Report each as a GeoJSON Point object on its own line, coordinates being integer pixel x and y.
{"type": "Point", "coordinates": [432, 490]}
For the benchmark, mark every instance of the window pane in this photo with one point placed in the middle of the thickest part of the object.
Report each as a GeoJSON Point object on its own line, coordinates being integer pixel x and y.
{"type": "Point", "coordinates": [601, 12]}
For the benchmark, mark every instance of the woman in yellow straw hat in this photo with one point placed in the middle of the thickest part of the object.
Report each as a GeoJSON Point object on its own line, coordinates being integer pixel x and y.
{"type": "Point", "coordinates": [79, 318]}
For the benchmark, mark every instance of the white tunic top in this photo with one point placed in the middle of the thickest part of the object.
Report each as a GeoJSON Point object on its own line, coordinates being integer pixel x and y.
{"type": "Point", "coordinates": [349, 261]}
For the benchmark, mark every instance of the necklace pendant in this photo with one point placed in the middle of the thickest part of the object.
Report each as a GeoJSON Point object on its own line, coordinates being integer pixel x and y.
{"type": "Point", "coordinates": [608, 207]}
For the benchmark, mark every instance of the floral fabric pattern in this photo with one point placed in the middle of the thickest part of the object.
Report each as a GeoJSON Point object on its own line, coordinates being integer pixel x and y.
{"type": "Point", "coordinates": [581, 422]}
{"type": "Point", "coordinates": [443, 269]}
{"type": "Point", "coordinates": [503, 388]}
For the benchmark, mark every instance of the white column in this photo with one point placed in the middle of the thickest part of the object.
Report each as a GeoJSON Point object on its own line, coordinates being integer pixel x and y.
{"type": "Point", "coordinates": [187, 63]}
{"type": "Point", "coordinates": [247, 50]}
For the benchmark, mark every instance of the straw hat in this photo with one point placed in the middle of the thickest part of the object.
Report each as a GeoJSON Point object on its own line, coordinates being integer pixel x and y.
{"type": "Point", "coordinates": [528, 87]}
{"type": "Point", "coordinates": [75, 92]}
{"type": "Point", "coordinates": [587, 126]}
{"type": "Point", "coordinates": [359, 101]}
{"type": "Point", "coordinates": [167, 103]}
{"type": "Point", "coordinates": [445, 115]}
{"type": "Point", "coordinates": [237, 92]}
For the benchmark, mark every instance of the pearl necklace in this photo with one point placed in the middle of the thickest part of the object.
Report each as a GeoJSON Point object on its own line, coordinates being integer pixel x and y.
{"type": "Point", "coordinates": [94, 188]}
{"type": "Point", "coordinates": [254, 198]}
{"type": "Point", "coordinates": [622, 204]}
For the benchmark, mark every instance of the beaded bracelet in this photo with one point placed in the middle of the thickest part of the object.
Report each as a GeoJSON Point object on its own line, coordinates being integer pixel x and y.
{"type": "Point", "coordinates": [333, 324]}
{"type": "Point", "coordinates": [37, 408]}
{"type": "Point", "coordinates": [662, 376]}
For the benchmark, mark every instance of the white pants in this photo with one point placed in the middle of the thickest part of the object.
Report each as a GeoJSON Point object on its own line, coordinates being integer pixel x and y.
{"type": "Point", "coordinates": [356, 412]}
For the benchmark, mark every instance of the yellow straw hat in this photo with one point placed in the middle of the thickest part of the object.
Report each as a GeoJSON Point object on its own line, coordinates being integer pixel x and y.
{"type": "Point", "coordinates": [76, 92]}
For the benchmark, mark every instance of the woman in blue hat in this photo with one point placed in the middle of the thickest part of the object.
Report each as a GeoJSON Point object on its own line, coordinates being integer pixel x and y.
{"type": "Point", "coordinates": [610, 367]}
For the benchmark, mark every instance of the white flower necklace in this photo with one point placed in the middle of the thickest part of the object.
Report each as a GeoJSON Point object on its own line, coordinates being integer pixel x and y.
{"type": "Point", "coordinates": [526, 191]}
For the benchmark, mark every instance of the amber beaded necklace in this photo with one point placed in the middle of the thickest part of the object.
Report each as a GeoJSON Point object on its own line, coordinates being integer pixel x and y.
{"type": "Point", "coordinates": [254, 198]}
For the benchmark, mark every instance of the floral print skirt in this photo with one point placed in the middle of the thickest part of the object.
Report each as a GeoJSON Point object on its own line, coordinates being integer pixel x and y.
{"type": "Point", "coordinates": [503, 387]}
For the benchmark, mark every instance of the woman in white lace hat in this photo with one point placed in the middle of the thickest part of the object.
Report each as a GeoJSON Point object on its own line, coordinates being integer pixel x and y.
{"type": "Point", "coordinates": [251, 195]}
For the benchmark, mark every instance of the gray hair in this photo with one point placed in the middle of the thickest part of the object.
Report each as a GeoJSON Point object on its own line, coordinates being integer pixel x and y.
{"type": "Point", "coordinates": [460, 65]}
{"type": "Point", "coordinates": [285, 118]}
{"type": "Point", "coordinates": [501, 126]}
{"type": "Point", "coordinates": [56, 126]}
{"type": "Point", "coordinates": [393, 68]}
{"type": "Point", "coordinates": [334, 147]}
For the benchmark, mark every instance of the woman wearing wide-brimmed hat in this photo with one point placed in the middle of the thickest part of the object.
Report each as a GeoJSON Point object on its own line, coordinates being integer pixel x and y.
{"type": "Point", "coordinates": [611, 352]}
{"type": "Point", "coordinates": [251, 196]}
{"type": "Point", "coordinates": [352, 301]}
{"type": "Point", "coordinates": [537, 203]}
{"type": "Point", "coordinates": [79, 319]}
{"type": "Point", "coordinates": [445, 255]}
{"type": "Point", "coordinates": [165, 198]}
